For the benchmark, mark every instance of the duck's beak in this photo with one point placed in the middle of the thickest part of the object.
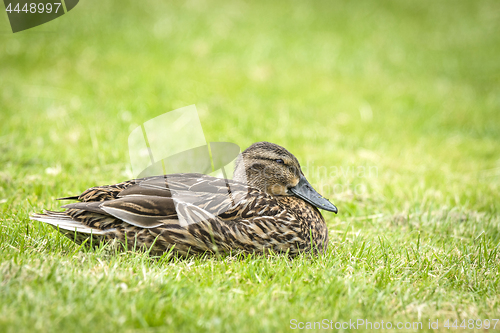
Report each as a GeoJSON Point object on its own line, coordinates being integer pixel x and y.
{"type": "Point", "coordinates": [305, 191]}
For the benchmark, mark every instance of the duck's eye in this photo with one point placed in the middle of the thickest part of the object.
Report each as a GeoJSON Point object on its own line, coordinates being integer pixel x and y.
{"type": "Point", "coordinates": [280, 161]}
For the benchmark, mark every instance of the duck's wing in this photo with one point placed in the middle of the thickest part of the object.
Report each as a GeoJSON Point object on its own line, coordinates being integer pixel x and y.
{"type": "Point", "coordinates": [181, 199]}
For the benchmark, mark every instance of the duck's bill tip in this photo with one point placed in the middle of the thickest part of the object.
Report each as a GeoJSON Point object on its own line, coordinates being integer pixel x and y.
{"type": "Point", "coordinates": [330, 207]}
{"type": "Point", "coordinates": [323, 203]}
{"type": "Point", "coordinates": [305, 191]}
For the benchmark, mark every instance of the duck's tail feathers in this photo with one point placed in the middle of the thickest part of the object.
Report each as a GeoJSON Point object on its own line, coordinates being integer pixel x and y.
{"type": "Point", "coordinates": [74, 230]}
{"type": "Point", "coordinates": [74, 197]}
{"type": "Point", "coordinates": [60, 220]}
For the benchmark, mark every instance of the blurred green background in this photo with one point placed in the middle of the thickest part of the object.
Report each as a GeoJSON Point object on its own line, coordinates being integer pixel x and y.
{"type": "Point", "coordinates": [409, 90]}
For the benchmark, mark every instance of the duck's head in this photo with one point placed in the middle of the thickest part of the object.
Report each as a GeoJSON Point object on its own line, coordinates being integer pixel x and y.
{"type": "Point", "coordinates": [273, 169]}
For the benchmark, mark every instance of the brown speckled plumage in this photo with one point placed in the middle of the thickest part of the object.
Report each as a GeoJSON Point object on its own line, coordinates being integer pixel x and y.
{"type": "Point", "coordinates": [197, 213]}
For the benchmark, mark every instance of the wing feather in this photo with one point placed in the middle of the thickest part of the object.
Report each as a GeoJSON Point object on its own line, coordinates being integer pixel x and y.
{"type": "Point", "coordinates": [178, 198]}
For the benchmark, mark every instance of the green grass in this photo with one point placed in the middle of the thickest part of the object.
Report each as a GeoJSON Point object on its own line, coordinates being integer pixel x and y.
{"type": "Point", "coordinates": [392, 107]}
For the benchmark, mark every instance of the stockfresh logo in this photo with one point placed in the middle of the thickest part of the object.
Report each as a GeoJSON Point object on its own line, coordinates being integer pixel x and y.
{"type": "Point", "coordinates": [174, 143]}
{"type": "Point", "coordinates": [28, 14]}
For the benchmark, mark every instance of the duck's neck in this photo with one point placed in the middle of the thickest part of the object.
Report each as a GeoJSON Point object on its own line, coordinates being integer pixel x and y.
{"type": "Point", "coordinates": [302, 209]}
{"type": "Point", "coordinates": [239, 171]}
{"type": "Point", "coordinates": [243, 175]}
{"type": "Point", "coordinates": [311, 222]}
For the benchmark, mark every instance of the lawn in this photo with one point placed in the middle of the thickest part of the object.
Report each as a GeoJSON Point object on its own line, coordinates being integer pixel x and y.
{"type": "Point", "coordinates": [392, 107]}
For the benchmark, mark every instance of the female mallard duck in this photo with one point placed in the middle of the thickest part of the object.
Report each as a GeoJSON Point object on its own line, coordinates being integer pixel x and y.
{"type": "Point", "coordinates": [268, 206]}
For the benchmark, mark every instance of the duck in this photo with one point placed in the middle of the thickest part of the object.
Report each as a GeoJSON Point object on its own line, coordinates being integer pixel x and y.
{"type": "Point", "coordinates": [268, 207]}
